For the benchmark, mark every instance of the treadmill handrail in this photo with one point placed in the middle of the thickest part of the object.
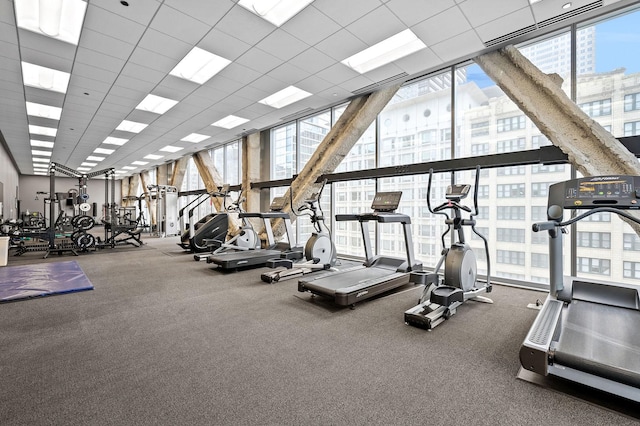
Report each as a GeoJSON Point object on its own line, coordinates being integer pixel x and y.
{"type": "Point", "coordinates": [548, 225]}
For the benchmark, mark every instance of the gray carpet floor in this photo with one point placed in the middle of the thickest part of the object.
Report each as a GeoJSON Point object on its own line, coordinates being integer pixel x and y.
{"type": "Point", "coordinates": [165, 340]}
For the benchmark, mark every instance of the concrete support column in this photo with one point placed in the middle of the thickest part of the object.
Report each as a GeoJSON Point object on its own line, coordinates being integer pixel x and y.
{"type": "Point", "coordinates": [134, 183]}
{"type": "Point", "coordinates": [351, 125]}
{"type": "Point", "coordinates": [145, 179]}
{"type": "Point", "coordinates": [162, 174]}
{"type": "Point", "coordinates": [179, 170]}
{"type": "Point", "coordinates": [590, 148]}
{"type": "Point", "coordinates": [124, 190]}
{"type": "Point", "coordinates": [212, 181]}
{"type": "Point", "coordinates": [251, 168]}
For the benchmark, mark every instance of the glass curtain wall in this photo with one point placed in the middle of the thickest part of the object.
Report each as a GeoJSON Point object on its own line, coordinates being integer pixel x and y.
{"type": "Point", "coordinates": [608, 90]}
{"type": "Point", "coordinates": [417, 127]}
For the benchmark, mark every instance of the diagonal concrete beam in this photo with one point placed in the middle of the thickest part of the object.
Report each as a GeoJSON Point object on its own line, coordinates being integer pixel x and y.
{"type": "Point", "coordinates": [179, 170]}
{"type": "Point", "coordinates": [351, 125]}
{"type": "Point", "coordinates": [212, 181]}
{"type": "Point", "coordinates": [590, 148]}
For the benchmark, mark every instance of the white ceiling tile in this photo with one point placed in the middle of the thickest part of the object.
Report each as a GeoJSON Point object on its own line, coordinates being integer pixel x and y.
{"type": "Point", "coordinates": [382, 19]}
{"type": "Point", "coordinates": [311, 26]}
{"type": "Point", "coordinates": [356, 83]}
{"type": "Point", "coordinates": [104, 44]}
{"type": "Point", "coordinates": [405, 10]}
{"type": "Point", "coordinates": [163, 44]}
{"type": "Point", "coordinates": [282, 45]}
{"type": "Point", "coordinates": [445, 25]}
{"type": "Point", "coordinates": [240, 73]}
{"type": "Point", "coordinates": [460, 46]}
{"type": "Point", "coordinates": [312, 60]}
{"type": "Point", "coordinates": [288, 73]}
{"type": "Point", "coordinates": [206, 11]}
{"type": "Point", "coordinates": [140, 11]}
{"type": "Point", "coordinates": [113, 25]}
{"type": "Point", "coordinates": [480, 12]}
{"type": "Point", "coordinates": [259, 60]}
{"type": "Point", "coordinates": [341, 45]}
{"type": "Point", "coordinates": [422, 60]}
{"type": "Point", "coordinates": [244, 25]}
{"type": "Point", "coordinates": [512, 22]}
{"type": "Point", "coordinates": [178, 25]}
{"type": "Point", "coordinates": [223, 44]}
{"type": "Point", "coordinates": [345, 12]}
{"type": "Point", "coordinates": [98, 60]}
{"type": "Point", "coordinates": [337, 73]}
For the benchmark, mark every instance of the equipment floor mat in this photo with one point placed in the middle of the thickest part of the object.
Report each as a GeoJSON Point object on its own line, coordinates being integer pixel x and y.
{"type": "Point", "coordinates": [43, 279]}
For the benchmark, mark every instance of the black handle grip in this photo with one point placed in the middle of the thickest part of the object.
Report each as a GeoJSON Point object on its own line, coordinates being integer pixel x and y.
{"type": "Point", "coordinates": [544, 226]}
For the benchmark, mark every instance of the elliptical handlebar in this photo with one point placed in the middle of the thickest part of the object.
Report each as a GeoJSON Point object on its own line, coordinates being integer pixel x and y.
{"type": "Point", "coordinates": [551, 224]}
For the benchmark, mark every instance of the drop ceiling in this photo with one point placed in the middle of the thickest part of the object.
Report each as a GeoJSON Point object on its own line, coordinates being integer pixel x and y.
{"type": "Point", "coordinates": [126, 52]}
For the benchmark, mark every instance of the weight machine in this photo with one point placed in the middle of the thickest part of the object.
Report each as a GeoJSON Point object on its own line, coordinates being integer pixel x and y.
{"type": "Point", "coordinates": [164, 201]}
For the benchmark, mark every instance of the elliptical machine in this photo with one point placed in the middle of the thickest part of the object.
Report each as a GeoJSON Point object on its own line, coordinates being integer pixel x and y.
{"type": "Point", "coordinates": [441, 297]}
{"type": "Point", "coordinates": [245, 238]}
{"type": "Point", "coordinates": [319, 251]}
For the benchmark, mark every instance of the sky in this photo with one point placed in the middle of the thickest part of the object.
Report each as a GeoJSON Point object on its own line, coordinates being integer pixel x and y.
{"type": "Point", "coordinates": [617, 45]}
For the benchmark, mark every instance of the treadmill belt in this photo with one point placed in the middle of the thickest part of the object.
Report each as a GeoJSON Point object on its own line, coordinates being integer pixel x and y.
{"type": "Point", "coordinates": [602, 340]}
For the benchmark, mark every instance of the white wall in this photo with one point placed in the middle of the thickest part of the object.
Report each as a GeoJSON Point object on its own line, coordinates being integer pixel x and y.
{"type": "Point", "coordinates": [9, 180]}
{"type": "Point", "coordinates": [30, 185]}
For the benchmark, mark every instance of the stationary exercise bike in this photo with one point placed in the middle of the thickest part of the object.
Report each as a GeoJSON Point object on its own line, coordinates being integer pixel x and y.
{"type": "Point", "coordinates": [319, 251]}
{"type": "Point", "coordinates": [442, 295]}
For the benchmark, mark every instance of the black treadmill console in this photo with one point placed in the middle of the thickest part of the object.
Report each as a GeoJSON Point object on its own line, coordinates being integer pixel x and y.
{"type": "Point", "coordinates": [386, 201]}
{"type": "Point", "coordinates": [457, 192]}
{"type": "Point", "coordinates": [619, 191]}
{"type": "Point", "coordinates": [278, 204]}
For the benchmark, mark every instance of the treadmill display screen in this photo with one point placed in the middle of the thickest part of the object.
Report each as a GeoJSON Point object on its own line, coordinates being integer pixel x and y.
{"type": "Point", "coordinates": [386, 201]}
{"type": "Point", "coordinates": [603, 187]}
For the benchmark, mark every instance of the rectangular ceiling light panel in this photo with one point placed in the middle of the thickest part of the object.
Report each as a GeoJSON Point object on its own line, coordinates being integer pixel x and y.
{"type": "Point", "coordinates": [285, 97]}
{"type": "Point", "coordinates": [86, 164]}
{"type": "Point", "coordinates": [387, 51]}
{"type": "Point", "coordinates": [41, 160]}
{"type": "Point", "coordinates": [195, 138]}
{"type": "Point", "coordinates": [104, 151]}
{"type": "Point", "coordinates": [45, 111]}
{"type": "Point", "coordinates": [41, 144]}
{"type": "Point", "coordinates": [229, 122]}
{"type": "Point", "coordinates": [275, 11]}
{"type": "Point", "coordinates": [129, 168]}
{"type": "Point", "coordinates": [199, 66]}
{"type": "Point", "coordinates": [42, 153]}
{"type": "Point", "coordinates": [139, 163]}
{"type": "Point", "coordinates": [94, 158]}
{"type": "Point", "coordinates": [156, 104]}
{"type": "Point", "coordinates": [131, 126]}
{"type": "Point", "coordinates": [45, 78]}
{"type": "Point", "coordinates": [115, 141]}
{"type": "Point", "coordinates": [153, 157]}
{"type": "Point", "coordinates": [170, 148]}
{"type": "Point", "coordinates": [39, 130]}
{"type": "Point", "coordinates": [59, 19]}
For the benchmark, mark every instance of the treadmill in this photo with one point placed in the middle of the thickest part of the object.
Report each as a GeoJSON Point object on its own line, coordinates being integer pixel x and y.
{"type": "Point", "coordinates": [378, 274]}
{"type": "Point", "coordinates": [587, 330]}
{"type": "Point", "coordinates": [233, 260]}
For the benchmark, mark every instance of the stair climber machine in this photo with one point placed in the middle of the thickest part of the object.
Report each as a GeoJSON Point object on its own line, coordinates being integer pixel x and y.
{"type": "Point", "coordinates": [443, 295]}
{"type": "Point", "coordinates": [587, 330]}
{"type": "Point", "coordinates": [319, 251]}
{"type": "Point", "coordinates": [244, 238]}
{"type": "Point", "coordinates": [233, 260]}
{"type": "Point", "coordinates": [378, 274]}
{"type": "Point", "coordinates": [214, 226]}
